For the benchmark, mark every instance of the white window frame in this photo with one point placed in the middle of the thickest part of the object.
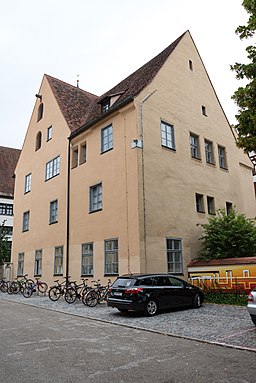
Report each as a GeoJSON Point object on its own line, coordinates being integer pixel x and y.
{"type": "Point", "coordinates": [20, 268]}
{"type": "Point", "coordinates": [52, 168]}
{"type": "Point", "coordinates": [25, 222]}
{"type": "Point", "coordinates": [96, 198]}
{"type": "Point", "coordinates": [28, 180]}
{"type": "Point", "coordinates": [222, 157]}
{"type": "Point", "coordinates": [53, 216]}
{"type": "Point", "coordinates": [58, 260]}
{"type": "Point", "coordinates": [111, 256]}
{"type": "Point", "coordinates": [194, 146]}
{"type": "Point", "coordinates": [174, 255]}
{"type": "Point", "coordinates": [107, 138]}
{"type": "Point", "coordinates": [87, 259]}
{"type": "Point", "coordinates": [38, 263]}
{"type": "Point", "coordinates": [167, 135]}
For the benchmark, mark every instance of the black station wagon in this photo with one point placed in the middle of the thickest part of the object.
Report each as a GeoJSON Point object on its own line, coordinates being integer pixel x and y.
{"type": "Point", "coordinates": [152, 292]}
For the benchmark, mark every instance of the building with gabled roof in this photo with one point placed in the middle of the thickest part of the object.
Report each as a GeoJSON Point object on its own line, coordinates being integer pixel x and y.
{"type": "Point", "coordinates": [120, 183]}
{"type": "Point", "coordinates": [8, 161]}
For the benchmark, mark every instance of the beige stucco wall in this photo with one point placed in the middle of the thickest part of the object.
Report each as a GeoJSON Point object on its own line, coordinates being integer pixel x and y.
{"type": "Point", "coordinates": [41, 235]}
{"type": "Point", "coordinates": [172, 177]}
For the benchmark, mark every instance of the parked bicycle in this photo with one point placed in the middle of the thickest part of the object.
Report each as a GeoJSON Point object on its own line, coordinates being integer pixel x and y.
{"type": "Point", "coordinates": [58, 290]}
{"type": "Point", "coordinates": [30, 288]}
{"type": "Point", "coordinates": [4, 285]}
{"type": "Point", "coordinates": [19, 284]}
{"type": "Point", "coordinates": [97, 294]}
{"type": "Point", "coordinates": [75, 291]}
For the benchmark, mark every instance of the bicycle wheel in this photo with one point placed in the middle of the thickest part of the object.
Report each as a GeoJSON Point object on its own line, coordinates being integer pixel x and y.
{"type": "Point", "coordinates": [27, 292]}
{"type": "Point", "coordinates": [14, 288]}
{"type": "Point", "coordinates": [70, 295]}
{"type": "Point", "coordinates": [4, 286]}
{"type": "Point", "coordinates": [91, 298]}
{"type": "Point", "coordinates": [29, 282]}
{"type": "Point", "coordinates": [42, 287]}
{"type": "Point", "coordinates": [54, 293]}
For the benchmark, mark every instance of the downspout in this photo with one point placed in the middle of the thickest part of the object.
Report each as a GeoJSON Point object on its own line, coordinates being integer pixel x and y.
{"type": "Point", "coordinates": [143, 176]}
{"type": "Point", "coordinates": [68, 212]}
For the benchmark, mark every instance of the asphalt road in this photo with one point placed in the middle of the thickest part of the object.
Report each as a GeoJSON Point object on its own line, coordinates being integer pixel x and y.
{"type": "Point", "coordinates": [38, 345]}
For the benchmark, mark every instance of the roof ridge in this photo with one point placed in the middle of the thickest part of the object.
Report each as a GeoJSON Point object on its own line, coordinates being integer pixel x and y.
{"type": "Point", "coordinates": [69, 85]}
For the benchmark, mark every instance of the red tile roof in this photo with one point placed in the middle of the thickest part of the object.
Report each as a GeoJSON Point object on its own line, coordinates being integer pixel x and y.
{"type": "Point", "coordinates": [222, 261]}
{"type": "Point", "coordinates": [74, 102]}
{"type": "Point", "coordinates": [8, 161]}
{"type": "Point", "coordinates": [81, 109]}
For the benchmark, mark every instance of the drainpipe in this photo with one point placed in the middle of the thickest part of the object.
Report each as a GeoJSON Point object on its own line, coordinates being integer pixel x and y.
{"type": "Point", "coordinates": [143, 174]}
{"type": "Point", "coordinates": [68, 212]}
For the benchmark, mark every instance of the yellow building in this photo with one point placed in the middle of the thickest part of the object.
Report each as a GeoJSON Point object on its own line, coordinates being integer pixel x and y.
{"type": "Point", "coordinates": [119, 183]}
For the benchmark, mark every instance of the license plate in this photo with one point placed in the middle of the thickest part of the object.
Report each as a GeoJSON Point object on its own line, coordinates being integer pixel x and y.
{"type": "Point", "coordinates": [117, 294]}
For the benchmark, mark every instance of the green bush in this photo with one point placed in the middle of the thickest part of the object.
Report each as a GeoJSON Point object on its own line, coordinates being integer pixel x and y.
{"type": "Point", "coordinates": [228, 298]}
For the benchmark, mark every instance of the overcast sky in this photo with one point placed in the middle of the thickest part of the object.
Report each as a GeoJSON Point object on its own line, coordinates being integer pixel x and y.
{"type": "Point", "coordinates": [104, 41]}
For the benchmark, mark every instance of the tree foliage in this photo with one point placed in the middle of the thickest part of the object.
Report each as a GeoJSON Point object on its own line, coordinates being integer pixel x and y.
{"type": "Point", "coordinates": [245, 97]}
{"type": "Point", "coordinates": [228, 236]}
{"type": "Point", "coordinates": [5, 252]}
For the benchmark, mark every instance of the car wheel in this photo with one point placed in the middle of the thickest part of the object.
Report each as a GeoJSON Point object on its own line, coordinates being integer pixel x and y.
{"type": "Point", "coordinates": [253, 318]}
{"type": "Point", "coordinates": [151, 307]}
{"type": "Point", "coordinates": [196, 301]}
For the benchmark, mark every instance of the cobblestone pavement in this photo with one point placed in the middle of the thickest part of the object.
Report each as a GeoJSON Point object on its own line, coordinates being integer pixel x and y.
{"type": "Point", "coordinates": [224, 325]}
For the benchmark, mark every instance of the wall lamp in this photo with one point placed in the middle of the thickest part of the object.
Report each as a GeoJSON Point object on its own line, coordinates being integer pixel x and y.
{"type": "Point", "coordinates": [39, 96]}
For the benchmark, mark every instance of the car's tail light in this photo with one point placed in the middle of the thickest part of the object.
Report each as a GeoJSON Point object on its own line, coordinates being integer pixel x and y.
{"type": "Point", "coordinates": [250, 298]}
{"type": "Point", "coordinates": [133, 290]}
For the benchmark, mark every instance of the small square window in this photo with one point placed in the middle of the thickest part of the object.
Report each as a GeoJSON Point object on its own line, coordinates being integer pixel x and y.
{"type": "Point", "coordinates": [200, 203]}
{"type": "Point", "coordinates": [204, 110]}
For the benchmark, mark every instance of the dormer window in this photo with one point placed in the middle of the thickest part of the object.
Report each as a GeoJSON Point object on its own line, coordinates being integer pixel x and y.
{"type": "Point", "coordinates": [105, 104]}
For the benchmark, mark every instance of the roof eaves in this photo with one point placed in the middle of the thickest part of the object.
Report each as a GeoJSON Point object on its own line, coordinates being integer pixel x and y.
{"type": "Point", "coordinates": [90, 123]}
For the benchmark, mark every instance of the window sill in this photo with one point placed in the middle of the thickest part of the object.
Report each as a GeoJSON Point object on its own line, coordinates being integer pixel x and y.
{"type": "Point", "coordinates": [107, 150]}
{"type": "Point", "coordinates": [196, 158]}
{"type": "Point", "coordinates": [58, 275]}
{"type": "Point", "coordinates": [53, 223]}
{"type": "Point", "coordinates": [168, 148]}
{"type": "Point", "coordinates": [94, 211]}
{"type": "Point", "coordinates": [111, 275]}
{"type": "Point", "coordinates": [201, 211]}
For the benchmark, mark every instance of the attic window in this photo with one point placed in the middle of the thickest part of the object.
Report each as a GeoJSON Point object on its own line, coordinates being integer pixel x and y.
{"type": "Point", "coordinates": [204, 110]}
{"type": "Point", "coordinates": [105, 104]}
{"type": "Point", "coordinates": [190, 64]}
{"type": "Point", "coordinates": [40, 112]}
{"type": "Point", "coordinates": [38, 140]}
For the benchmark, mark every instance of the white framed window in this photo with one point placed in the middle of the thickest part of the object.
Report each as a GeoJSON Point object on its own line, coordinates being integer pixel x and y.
{"type": "Point", "coordinates": [25, 223]}
{"type": "Point", "coordinates": [106, 138]}
{"type": "Point", "coordinates": [174, 255]}
{"type": "Point", "coordinates": [222, 157]}
{"type": "Point", "coordinates": [200, 203]}
{"type": "Point", "coordinates": [194, 146]}
{"type": "Point", "coordinates": [167, 135]}
{"type": "Point", "coordinates": [111, 256]}
{"type": "Point", "coordinates": [58, 260]}
{"type": "Point", "coordinates": [95, 198]}
{"type": "Point", "coordinates": [6, 209]}
{"type": "Point", "coordinates": [28, 179]}
{"type": "Point", "coordinates": [52, 168]}
{"type": "Point", "coordinates": [20, 269]}
{"type": "Point", "coordinates": [87, 259]}
{"type": "Point", "coordinates": [49, 133]}
{"type": "Point", "coordinates": [209, 155]}
{"type": "Point", "coordinates": [38, 263]}
{"type": "Point", "coordinates": [53, 212]}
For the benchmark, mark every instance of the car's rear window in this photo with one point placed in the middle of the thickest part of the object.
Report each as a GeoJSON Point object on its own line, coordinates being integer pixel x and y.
{"type": "Point", "coordinates": [124, 282]}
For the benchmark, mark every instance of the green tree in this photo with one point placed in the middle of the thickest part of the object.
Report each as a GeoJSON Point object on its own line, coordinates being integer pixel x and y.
{"type": "Point", "coordinates": [245, 97]}
{"type": "Point", "coordinates": [5, 252]}
{"type": "Point", "coordinates": [228, 236]}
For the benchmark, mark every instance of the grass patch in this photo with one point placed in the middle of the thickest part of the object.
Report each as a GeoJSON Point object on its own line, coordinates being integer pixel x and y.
{"type": "Point", "coordinates": [227, 298]}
